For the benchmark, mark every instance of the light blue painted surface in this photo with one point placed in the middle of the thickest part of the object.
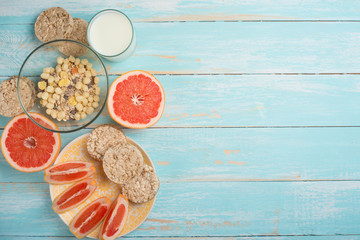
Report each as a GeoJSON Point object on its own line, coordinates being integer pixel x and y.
{"type": "Point", "coordinates": [346, 237]}
{"type": "Point", "coordinates": [217, 169]}
{"type": "Point", "coordinates": [233, 154]}
{"type": "Point", "coordinates": [208, 209]}
{"type": "Point", "coordinates": [187, 10]}
{"type": "Point", "coordinates": [252, 100]}
{"type": "Point", "coordinates": [342, 237]}
{"type": "Point", "coordinates": [205, 47]}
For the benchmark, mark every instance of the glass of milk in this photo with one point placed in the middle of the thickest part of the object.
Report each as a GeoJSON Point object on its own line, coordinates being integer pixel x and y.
{"type": "Point", "coordinates": [111, 34]}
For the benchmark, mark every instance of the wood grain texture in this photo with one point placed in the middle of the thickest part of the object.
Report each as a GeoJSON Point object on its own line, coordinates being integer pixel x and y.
{"type": "Point", "coordinates": [328, 237]}
{"type": "Point", "coordinates": [251, 100]}
{"type": "Point", "coordinates": [203, 209]}
{"type": "Point", "coordinates": [226, 154]}
{"type": "Point", "coordinates": [233, 101]}
{"type": "Point", "coordinates": [218, 47]}
{"type": "Point", "coordinates": [271, 66]}
{"type": "Point", "coordinates": [188, 10]}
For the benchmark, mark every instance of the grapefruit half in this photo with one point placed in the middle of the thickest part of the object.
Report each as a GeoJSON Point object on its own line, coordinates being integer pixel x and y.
{"type": "Point", "coordinates": [136, 100]}
{"type": "Point", "coordinates": [28, 147]}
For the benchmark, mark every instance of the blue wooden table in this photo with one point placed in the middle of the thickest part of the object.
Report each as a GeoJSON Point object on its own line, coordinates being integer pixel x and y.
{"type": "Point", "coordinates": [260, 138]}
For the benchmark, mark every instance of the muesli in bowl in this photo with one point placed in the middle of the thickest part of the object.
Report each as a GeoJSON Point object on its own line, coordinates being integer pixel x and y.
{"type": "Point", "coordinates": [70, 91]}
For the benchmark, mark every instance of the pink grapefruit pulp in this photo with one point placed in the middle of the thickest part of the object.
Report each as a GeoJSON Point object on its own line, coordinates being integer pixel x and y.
{"type": "Point", "coordinates": [136, 100]}
{"type": "Point", "coordinates": [74, 195]}
{"type": "Point", "coordinates": [69, 172]}
{"type": "Point", "coordinates": [89, 217]}
{"type": "Point", "coordinates": [115, 220]}
{"type": "Point", "coordinates": [28, 147]}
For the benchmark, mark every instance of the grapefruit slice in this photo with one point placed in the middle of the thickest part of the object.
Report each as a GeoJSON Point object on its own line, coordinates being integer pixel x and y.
{"type": "Point", "coordinates": [74, 195]}
{"type": "Point", "coordinates": [115, 220]}
{"type": "Point", "coordinates": [69, 172]}
{"type": "Point", "coordinates": [28, 147]}
{"type": "Point", "coordinates": [136, 100]}
{"type": "Point", "coordinates": [89, 217]}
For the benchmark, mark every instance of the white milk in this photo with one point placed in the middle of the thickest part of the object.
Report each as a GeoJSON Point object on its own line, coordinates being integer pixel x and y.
{"type": "Point", "coordinates": [110, 33]}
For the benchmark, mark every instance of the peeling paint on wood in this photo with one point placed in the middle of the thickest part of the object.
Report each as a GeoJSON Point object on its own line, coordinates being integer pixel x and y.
{"type": "Point", "coordinates": [218, 162]}
{"type": "Point", "coordinates": [163, 163]}
{"type": "Point", "coordinates": [215, 17]}
{"type": "Point", "coordinates": [277, 71]}
{"type": "Point", "coordinates": [172, 58]}
{"type": "Point", "coordinates": [270, 154]}
{"type": "Point", "coordinates": [236, 162]}
{"type": "Point", "coordinates": [304, 48]}
{"type": "Point", "coordinates": [161, 220]}
{"type": "Point", "coordinates": [20, 12]}
{"type": "Point", "coordinates": [227, 152]}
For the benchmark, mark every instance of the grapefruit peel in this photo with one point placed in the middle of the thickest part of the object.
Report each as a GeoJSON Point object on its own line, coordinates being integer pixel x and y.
{"type": "Point", "coordinates": [79, 192]}
{"type": "Point", "coordinates": [115, 219]}
{"type": "Point", "coordinates": [95, 210]}
{"type": "Point", "coordinates": [69, 172]}
{"type": "Point", "coordinates": [133, 100]}
{"type": "Point", "coordinates": [27, 137]}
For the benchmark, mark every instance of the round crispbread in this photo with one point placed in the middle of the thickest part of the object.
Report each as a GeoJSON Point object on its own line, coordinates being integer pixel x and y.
{"type": "Point", "coordinates": [102, 138]}
{"type": "Point", "coordinates": [143, 187]}
{"type": "Point", "coordinates": [53, 23]}
{"type": "Point", "coordinates": [9, 101]}
{"type": "Point", "coordinates": [78, 34]}
{"type": "Point", "coordinates": [123, 162]}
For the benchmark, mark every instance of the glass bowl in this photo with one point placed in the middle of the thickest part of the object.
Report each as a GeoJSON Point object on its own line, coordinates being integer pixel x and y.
{"type": "Point", "coordinates": [45, 56]}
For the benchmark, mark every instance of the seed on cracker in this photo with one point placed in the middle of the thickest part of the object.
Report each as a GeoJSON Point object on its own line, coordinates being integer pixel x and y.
{"type": "Point", "coordinates": [143, 187]}
{"type": "Point", "coordinates": [123, 162]}
{"type": "Point", "coordinates": [78, 34]}
{"type": "Point", "coordinates": [102, 138]}
{"type": "Point", "coordinates": [53, 23]}
{"type": "Point", "coordinates": [9, 101]}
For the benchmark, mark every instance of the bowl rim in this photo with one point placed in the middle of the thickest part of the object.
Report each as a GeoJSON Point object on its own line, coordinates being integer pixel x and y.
{"type": "Point", "coordinates": [102, 12]}
{"type": "Point", "coordinates": [81, 126]}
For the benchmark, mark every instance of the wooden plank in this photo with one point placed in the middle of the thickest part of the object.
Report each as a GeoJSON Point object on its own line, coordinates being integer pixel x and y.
{"type": "Point", "coordinates": [218, 47]}
{"type": "Point", "coordinates": [277, 237]}
{"type": "Point", "coordinates": [249, 100]}
{"type": "Point", "coordinates": [227, 154]}
{"type": "Point", "coordinates": [186, 10]}
{"type": "Point", "coordinates": [203, 209]}
{"type": "Point", "coordinates": [252, 100]}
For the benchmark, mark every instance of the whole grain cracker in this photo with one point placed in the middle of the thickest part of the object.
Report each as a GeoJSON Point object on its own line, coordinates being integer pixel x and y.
{"type": "Point", "coordinates": [143, 187]}
{"type": "Point", "coordinates": [78, 34]}
{"type": "Point", "coordinates": [102, 138]}
{"type": "Point", "coordinates": [53, 23]}
{"type": "Point", "coordinates": [122, 163]}
{"type": "Point", "coordinates": [9, 101]}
